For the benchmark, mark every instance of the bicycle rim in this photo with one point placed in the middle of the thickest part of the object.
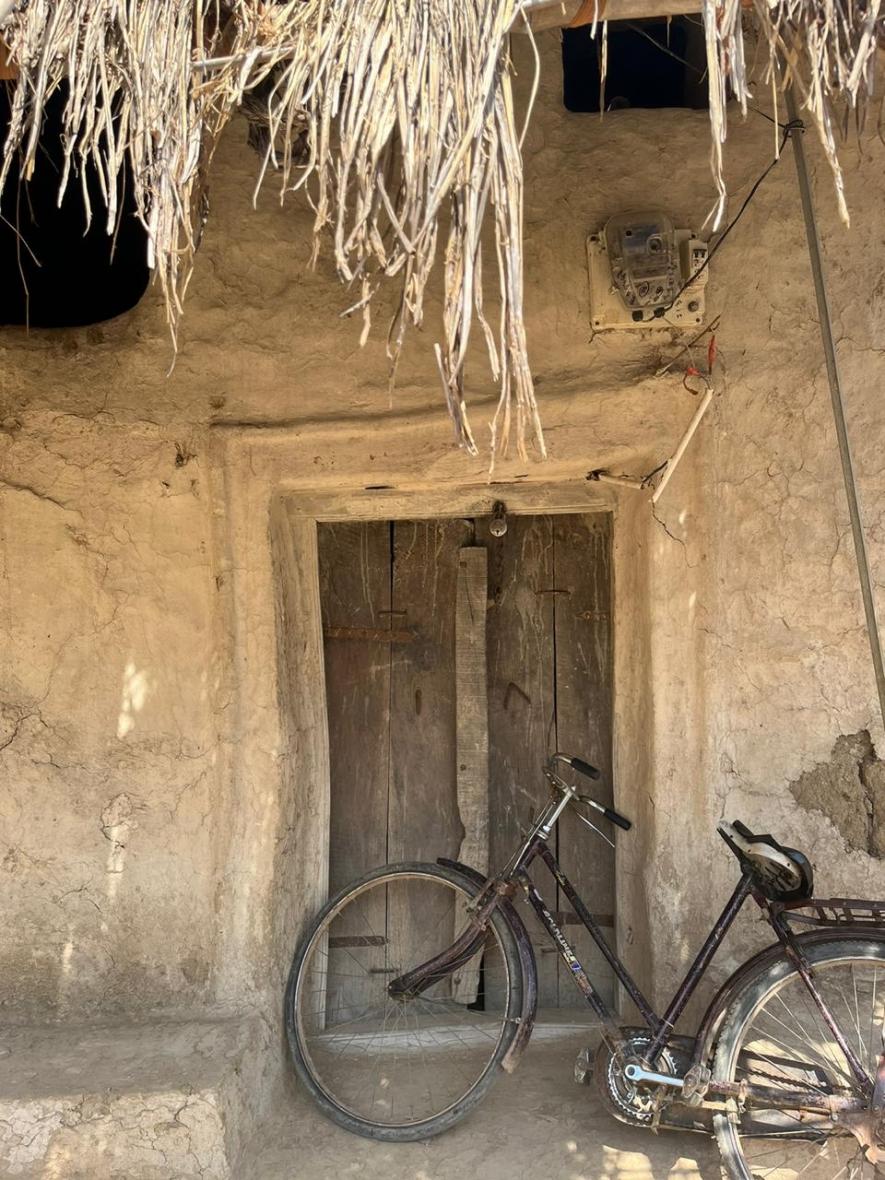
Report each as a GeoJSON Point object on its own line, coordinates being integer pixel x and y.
{"type": "Point", "coordinates": [392, 1062]}
{"type": "Point", "coordinates": [784, 1043]}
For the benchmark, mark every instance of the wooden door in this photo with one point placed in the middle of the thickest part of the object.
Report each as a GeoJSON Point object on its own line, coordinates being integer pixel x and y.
{"type": "Point", "coordinates": [389, 596]}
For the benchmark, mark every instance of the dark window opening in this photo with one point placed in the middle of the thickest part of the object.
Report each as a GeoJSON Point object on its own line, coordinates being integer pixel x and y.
{"type": "Point", "coordinates": [56, 272]}
{"type": "Point", "coordinates": [651, 63]}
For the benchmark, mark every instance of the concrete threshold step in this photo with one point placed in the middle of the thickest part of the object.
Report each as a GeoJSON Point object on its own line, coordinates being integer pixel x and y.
{"type": "Point", "coordinates": [172, 1100]}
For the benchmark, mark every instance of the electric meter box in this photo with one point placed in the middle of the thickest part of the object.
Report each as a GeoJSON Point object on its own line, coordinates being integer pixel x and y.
{"type": "Point", "coordinates": [641, 270]}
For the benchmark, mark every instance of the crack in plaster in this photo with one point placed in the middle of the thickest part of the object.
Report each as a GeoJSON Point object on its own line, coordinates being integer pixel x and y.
{"type": "Point", "coordinates": [13, 486]}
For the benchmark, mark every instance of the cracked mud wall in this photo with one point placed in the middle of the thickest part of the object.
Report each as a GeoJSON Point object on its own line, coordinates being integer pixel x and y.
{"type": "Point", "coordinates": [106, 736]}
{"type": "Point", "coordinates": [778, 612]}
{"type": "Point", "coordinates": [151, 788]}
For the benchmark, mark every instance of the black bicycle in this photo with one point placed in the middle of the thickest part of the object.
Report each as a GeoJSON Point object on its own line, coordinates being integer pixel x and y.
{"type": "Point", "coordinates": [417, 984]}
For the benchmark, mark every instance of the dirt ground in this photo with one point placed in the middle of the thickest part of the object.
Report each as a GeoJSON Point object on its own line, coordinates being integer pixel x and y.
{"type": "Point", "coordinates": [535, 1125]}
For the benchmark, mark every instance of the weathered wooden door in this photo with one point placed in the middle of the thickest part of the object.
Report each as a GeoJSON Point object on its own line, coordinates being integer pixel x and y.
{"type": "Point", "coordinates": [389, 595]}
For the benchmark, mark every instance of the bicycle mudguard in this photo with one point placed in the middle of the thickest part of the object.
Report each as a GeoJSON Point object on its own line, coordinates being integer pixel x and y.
{"type": "Point", "coordinates": [708, 1030]}
{"type": "Point", "coordinates": [526, 960]}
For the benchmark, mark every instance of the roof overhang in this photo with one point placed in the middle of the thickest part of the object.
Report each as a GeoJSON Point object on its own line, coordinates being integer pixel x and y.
{"type": "Point", "coordinates": [551, 14]}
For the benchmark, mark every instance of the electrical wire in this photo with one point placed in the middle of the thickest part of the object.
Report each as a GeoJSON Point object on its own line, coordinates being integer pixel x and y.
{"type": "Point", "coordinates": [789, 128]}
{"type": "Point", "coordinates": [666, 49]}
{"type": "Point", "coordinates": [702, 74]}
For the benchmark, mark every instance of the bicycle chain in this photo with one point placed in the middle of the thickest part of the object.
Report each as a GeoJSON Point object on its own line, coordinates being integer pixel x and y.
{"type": "Point", "coordinates": [761, 1073]}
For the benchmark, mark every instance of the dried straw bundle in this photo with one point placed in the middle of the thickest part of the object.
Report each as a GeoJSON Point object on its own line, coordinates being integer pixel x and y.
{"type": "Point", "coordinates": [397, 114]}
{"type": "Point", "coordinates": [826, 49]}
{"type": "Point", "coordinates": [409, 122]}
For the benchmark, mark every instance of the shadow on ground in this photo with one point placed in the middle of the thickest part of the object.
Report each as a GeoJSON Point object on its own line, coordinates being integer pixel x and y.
{"type": "Point", "coordinates": [536, 1125]}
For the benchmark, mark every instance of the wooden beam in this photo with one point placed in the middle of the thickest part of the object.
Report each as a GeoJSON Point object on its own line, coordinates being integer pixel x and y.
{"type": "Point", "coordinates": [555, 14]}
{"type": "Point", "coordinates": [637, 9]}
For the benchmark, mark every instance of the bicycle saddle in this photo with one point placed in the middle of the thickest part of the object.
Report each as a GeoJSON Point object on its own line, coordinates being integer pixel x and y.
{"type": "Point", "coordinates": [777, 872]}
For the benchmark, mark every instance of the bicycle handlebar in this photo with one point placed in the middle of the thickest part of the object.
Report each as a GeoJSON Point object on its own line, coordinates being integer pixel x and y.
{"type": "Point", "coordinates": [584, 768]}
{"type": "Point", "coordinates": [616, 818]}
{"type": "Point", "coordinates": [610, 814]}
{"type": "Point", "coordinates": [591, 772]}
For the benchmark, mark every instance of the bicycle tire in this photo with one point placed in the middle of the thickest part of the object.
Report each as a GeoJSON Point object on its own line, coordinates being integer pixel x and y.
{"type": "Point", "coordinates": [757, 1038]}
{"type": "Point", "coordinates": [334, 1108]}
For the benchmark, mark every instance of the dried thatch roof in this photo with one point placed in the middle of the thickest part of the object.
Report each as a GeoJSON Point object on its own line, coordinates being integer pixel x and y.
{"type": "Point", "coordinates": [406, 112]}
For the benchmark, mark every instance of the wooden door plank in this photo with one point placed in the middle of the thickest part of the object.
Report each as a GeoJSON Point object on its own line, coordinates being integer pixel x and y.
{"type": "Point", "coordinates": [354, 562]}
{"type": "Point", "coordinates": [355, 591]}
{"type": "Point", "coordinates": [471, 730]}
{"type": "Point", "coordinates": [521, 701]}
{"type": "Point", "coordinates": [423, 819]}
{"type": "Point", "coordinates": [423, 816]}
{"type": "Point", "coordinates": [582, 560]}
{"type": "Point", "coordinates": [472, 708]}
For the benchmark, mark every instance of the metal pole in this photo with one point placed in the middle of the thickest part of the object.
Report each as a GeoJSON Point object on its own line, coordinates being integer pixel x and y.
{"type": "Point", "coordinates": [826, 334]}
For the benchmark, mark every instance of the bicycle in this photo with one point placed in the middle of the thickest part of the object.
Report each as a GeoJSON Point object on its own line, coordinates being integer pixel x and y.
{"type": "Point", "coordinates": [416, 985]}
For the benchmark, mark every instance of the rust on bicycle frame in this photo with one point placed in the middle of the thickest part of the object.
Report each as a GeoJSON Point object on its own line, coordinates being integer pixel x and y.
{"type": "Point", "coordinates": [412, 983]}
{"type": "Point", "coordinates": [794, 953]}
{"type": "Point", "coordinates": [577, 972]}
{"type": "Point", "coordinates": [595, 931]}
{"type": "Point", "coordinates": [495, 892]}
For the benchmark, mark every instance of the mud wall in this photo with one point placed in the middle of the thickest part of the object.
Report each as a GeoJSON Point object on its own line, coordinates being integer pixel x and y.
{"type": "Point", "coordinates": [149, 813]}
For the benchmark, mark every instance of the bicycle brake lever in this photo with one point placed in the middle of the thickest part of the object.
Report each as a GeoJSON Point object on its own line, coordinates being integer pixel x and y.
{"type": "Point", "coordinates": [594, 828]}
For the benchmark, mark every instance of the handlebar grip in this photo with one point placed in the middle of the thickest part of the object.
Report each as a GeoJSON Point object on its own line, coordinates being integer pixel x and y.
{"type": "Point", "coordinates": [584, 768]}
{"type": "Point", "coordinates": [618, 819]}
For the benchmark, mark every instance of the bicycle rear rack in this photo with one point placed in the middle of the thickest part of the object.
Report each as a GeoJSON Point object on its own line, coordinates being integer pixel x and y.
{"type": "Point", "coordinates": [833, 911]}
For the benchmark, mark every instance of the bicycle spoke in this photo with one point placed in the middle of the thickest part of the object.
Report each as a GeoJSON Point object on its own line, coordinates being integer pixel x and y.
{"type": "Point", "coordinates": [787, 1043]}
{"type": "Point", "coordinates": [873, 1005]}
{"type": "Point", "coordinates": [397, 1061]}
{"type": "Point", "coordinates": [787, 1048]}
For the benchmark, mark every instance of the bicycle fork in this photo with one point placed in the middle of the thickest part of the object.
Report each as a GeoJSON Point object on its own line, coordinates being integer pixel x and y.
{"type": "Point", "coordinates": [412, 983]}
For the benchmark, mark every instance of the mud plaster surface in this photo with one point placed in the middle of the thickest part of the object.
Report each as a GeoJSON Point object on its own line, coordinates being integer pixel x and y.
{"type": "Point", "coordinates": [158, 1101]}
{"type": "Point", "coordinates": [741, 657]}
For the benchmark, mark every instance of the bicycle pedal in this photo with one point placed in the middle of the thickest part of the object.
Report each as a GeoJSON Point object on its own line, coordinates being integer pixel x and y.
{"type": "Point", "coordinates": [584, 1067]}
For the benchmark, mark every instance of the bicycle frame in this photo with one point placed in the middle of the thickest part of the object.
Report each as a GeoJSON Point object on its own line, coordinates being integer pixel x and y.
{"type": "Point", "coordinates": [500, 889]}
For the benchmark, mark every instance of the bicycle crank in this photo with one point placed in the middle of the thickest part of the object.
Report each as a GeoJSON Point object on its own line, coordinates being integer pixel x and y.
{"type": "Point", "coordinates": [635, 1073]}
{"type": "Point", "coordinates": [641, 1103]}
{"type": "Point", "coordinates": [631, 1101]}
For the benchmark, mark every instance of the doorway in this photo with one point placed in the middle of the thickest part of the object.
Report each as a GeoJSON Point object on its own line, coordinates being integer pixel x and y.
{"type": "Point", "coordinates": [391, 593]}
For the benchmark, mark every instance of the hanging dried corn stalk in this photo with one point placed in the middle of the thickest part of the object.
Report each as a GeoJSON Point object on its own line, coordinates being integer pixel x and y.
{"type": "Point", "coordinates": [396, 114]}
{"type": "Point", "coordinates": [405, 110]}
{"type": "Point", "coordinates": [825, 49]}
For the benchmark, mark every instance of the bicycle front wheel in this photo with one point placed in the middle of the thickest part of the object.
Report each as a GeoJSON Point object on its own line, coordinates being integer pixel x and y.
{"type": "Point", "coordinates": [400, 1068]}
{"type": "Point", "coordinates": [775, 1036]}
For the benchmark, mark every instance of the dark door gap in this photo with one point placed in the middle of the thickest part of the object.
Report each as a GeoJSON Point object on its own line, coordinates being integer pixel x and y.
{"type": "Point", "coordinates": [651, 64]}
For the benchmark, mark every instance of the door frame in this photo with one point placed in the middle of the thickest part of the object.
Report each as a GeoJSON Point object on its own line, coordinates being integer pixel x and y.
{"type": "Point", "coordinates": [305, 510]}
{"type": "Point", "coordinates": [275, 742]}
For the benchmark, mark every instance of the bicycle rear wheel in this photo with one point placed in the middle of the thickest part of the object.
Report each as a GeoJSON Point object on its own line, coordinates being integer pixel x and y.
{"type": "Point", "coordinates": [775, 1036]}
{"type": "Point", "coordinates": [400, 1068]}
